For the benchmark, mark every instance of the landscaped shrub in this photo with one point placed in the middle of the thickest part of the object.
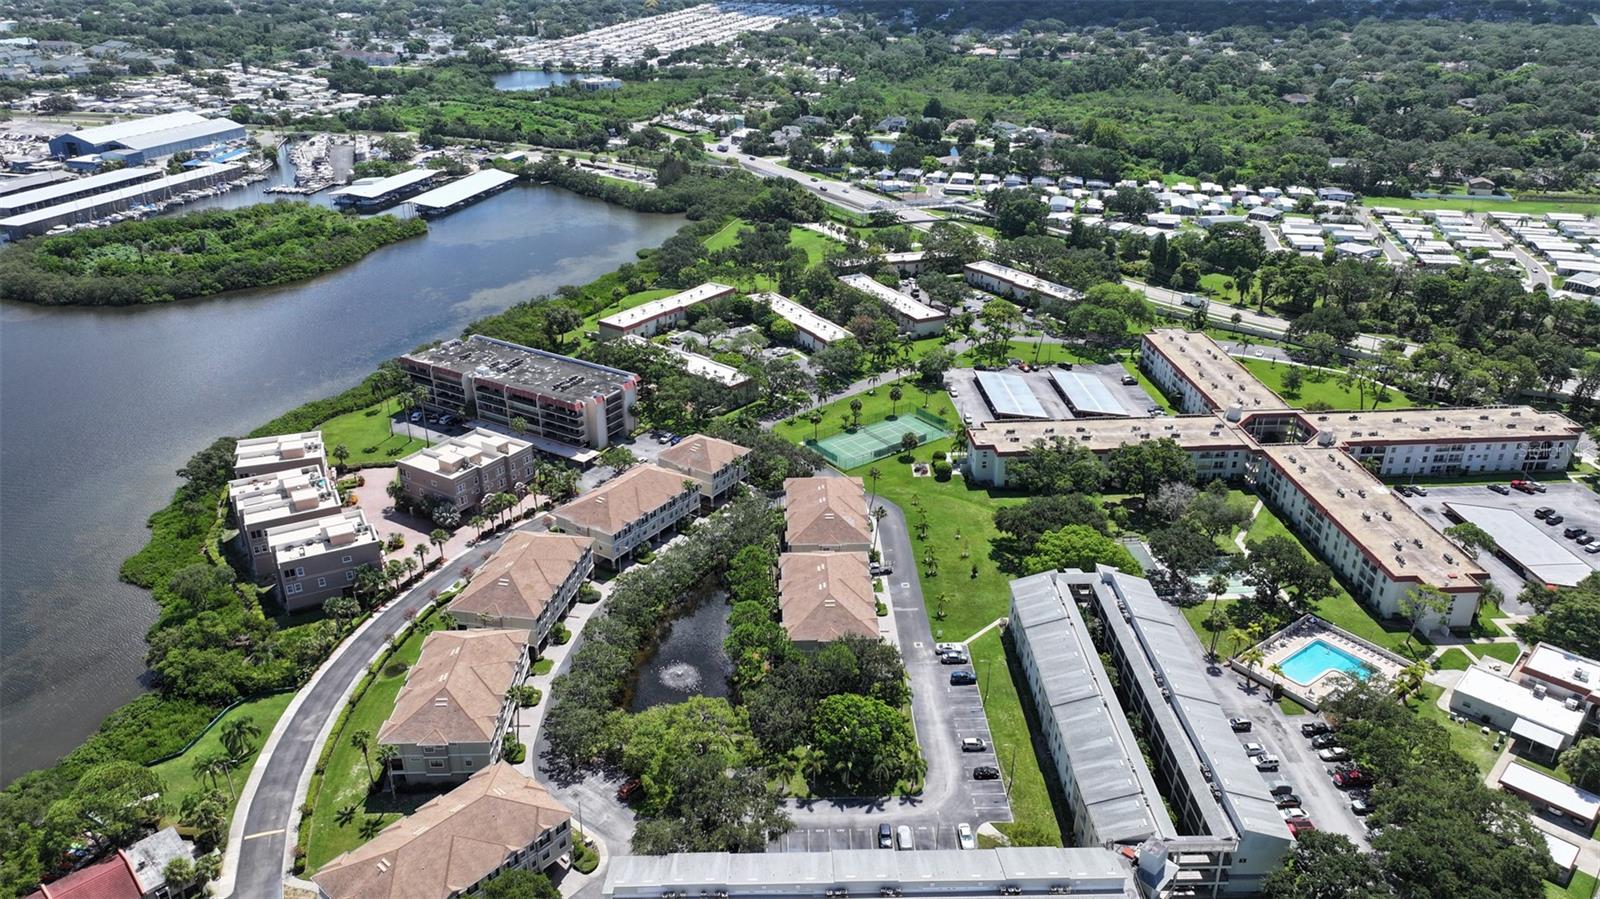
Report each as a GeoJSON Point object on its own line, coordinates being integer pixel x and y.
{"type": "Point", "coordinates": [941, 470]}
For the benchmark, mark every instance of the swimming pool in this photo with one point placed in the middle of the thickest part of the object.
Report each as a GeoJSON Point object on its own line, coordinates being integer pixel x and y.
{"type": "Point", "coordinates": [1318, 658]}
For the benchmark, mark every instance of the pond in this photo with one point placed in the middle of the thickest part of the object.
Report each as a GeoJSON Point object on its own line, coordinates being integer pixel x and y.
{"type": "Point", "coordinates": [881, 146]}
{"type": "Point", "coordinates": [689, 660]}
{"type": "Point", "coordinates": [532, 80]}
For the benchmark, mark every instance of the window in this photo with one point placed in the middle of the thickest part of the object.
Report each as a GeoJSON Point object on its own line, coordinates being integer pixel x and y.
{"type": "Point", "coordinates": [292, 589]}
{"type": "Point", "coordinates": [436, 764]}
{"type": "Point", "coordinates": [322, 582]}
{"type": "Point", "coordinates": [345, 559]}
{"type": "Point", "coordinates": [349, 576]}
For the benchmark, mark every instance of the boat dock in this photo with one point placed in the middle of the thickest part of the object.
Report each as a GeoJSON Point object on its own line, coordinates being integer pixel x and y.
{"type": "Point", "coordinates": [463, 192]}
{"type": "Point", "coordinates": [139, 199]}
{"type": "Point", "coordinates": [375, 193]}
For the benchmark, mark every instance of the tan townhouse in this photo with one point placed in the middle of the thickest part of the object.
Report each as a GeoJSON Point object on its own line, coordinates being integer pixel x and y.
{"type": "Point", "coordinates": [318, 559]}
{"type": "Point", "coordinates": [276, 499]}
{"type": "Point", "coordinates": [716, 465]}
{"type": "Point", "coordinates": [463, 470]}
{"type": "Point", "coordinates": [823, 596]}
{"type": "Point", "coordinates": [528, 584]}
{"type": "Point", "coordinates": [629, 512]}
{"type": "Point", "coordinates": [450, 715]}
{"type": "Point", "coordinates": [823, 514]}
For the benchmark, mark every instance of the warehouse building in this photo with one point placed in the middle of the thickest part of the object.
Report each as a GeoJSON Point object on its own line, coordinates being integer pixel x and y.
{"type": "Point", "coordinates": [569, 405]}
{"type": "Point", "coordinates": [141, 140]}
{"type": "Point", "coordinates": [122, 199]}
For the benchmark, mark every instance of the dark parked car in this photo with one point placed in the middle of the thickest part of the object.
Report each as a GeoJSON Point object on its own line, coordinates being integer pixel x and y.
{"type": "Point", "coordinates": [986, 772]}
{"type": "Point", "coordinates": [1361, 807]}
{"type": "Point", "coordinates": [1554, 518]}
{"type": "Point", "coordinates": [885, 837]}
{"type": "Point", "coordinates": [1314, 728]}
{"type": "Point", "coordinates": [1583, 539]}
{"type": "Point", "coordinates": [1542, 512]}
{"type": "Point", "coordinates": [1501, 489]}
{"type": "Point", "coordinates": [1418, 491]}
{"type": "Point", "coordinates": [1240, 725]}
{"type": "Point", "coordinates": [1572, 532]}
{"type": "Point", "coordinates": [1288, 800]}
{"type": "Point", "coordinates": [1325, 741]}
{"type": "Point", "coordinates": [1281, 788]}
{"type": "Point", "coordinates": [962, 678]}
{"type": "Point", "coordinates": [629, 790]}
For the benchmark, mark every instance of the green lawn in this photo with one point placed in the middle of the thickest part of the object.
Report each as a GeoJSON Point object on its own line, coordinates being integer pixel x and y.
{"type": "Point", "coordinates": [1505, 652]}
{"type": "Point", "coordinates": [1473, 204]}
{"type": "Point", "coordinates": [1464, 738]}
{"type": "Point", "coordinates": [1581, 887]}
{"type": "Point", "coordinates": [1329, 390]}
{"type": "Point", "coordinates": [181, 782]}
{"type": "Point", "coordinates": [366, 433]}
{"type": "Point", "coordinates": [346, 780]}
{"type": "Point", "coordinates": [1220, 286]}
{"type": "Point", "coordinates": [1265, 525]}
{"type": "Point", "coordinates": [1034, 352]}
{"type": "Point", "coordinates": [815, 245]}
{"type": "Point", "coordinates": [1453, 659]}
{"type": "Point", "coordinates": [1550, 770]}
{"type": "Point", "coordinates": [1156, 396]}
{"type": "Point", "coordinates": [1290, 707]}
{"type": "Point", "coordinates": [1014, 745]}
{"type": "Point", "coordinates": [727, 237]}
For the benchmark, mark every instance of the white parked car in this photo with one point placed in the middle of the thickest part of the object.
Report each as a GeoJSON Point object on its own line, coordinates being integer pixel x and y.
{"type": "Point", "coordinates": [1254, 749]}
{"type": "Point", "coordinates": [1267, 763]}
{"type": "Point", "coordinates": [964, 833]}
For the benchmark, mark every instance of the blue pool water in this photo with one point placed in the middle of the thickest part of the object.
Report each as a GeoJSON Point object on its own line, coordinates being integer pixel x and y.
{"type": "Point", "coordinates": [881, 146]}
{"type": "Point", "coordinates": [1318, 658]}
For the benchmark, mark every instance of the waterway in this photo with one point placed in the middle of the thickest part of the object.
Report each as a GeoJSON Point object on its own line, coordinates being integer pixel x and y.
{"type": "Point", "coordinates": [532, 79]}
{"type": "Point", "coordinates": [689, 660]}
{"type": "Point", "coordinates": [100, 406]}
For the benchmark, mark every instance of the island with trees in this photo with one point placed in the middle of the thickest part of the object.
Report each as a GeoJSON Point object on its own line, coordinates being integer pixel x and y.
{"type": "Point", "coordinates": [195, 255]}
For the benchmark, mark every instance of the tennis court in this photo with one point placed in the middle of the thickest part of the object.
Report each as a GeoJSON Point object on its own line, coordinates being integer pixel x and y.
{"type": "Point", "coordinates": [872, 442]}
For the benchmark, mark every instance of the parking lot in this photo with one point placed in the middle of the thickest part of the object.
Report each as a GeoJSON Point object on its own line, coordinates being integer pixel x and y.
{"type": "Point", "coordinates": [1578, 506]}
{"type": "Point", "coordinates": [822, 839]}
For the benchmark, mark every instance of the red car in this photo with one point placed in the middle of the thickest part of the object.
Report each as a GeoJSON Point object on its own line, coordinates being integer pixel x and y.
{"type": "Point", "coordinates": [629, 790]}
{"type": "Point", "coordinates": [1355, 777]}
{"type": "Point", "coordinates": [1300, 826]}
{"type": "Point", "coordinates": [1527, 487]}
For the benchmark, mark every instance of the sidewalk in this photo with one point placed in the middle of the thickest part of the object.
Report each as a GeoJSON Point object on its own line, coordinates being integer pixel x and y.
{"type": "Point", "coordinates": [529, 720]}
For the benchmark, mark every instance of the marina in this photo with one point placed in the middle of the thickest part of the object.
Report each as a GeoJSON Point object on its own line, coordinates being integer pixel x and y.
{"type": "Point", "coordinates": [462, 192]}
{"type": "Point", "coordinates": [376, 193]}
{"type": "Point", "coordinates": [139, 200]}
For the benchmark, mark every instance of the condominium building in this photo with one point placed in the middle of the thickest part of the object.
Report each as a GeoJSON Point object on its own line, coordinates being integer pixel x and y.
{"type": "Point", "coordinates": [812, 331]}
{"type": "Point", "coordinates": [913, 316]}
{"type": "Point", "coordinates": [276, 499]}
{"type": "Point", "coordinates": [452, 711]}
{"type": "Point", "coordinates": [498, 820]}
{"type": "Point", "coordinates": [717, 465]}
{"type": "Point", "coordinates": [1447, 442]}
{"type": "Point", "coordinates": [1219, 448]}
{"type": "Point", "coordinates": [738, 388]}
{"type": "Point", "coordinates": [318, 559]}
{"type": "Point", "coordinates": [1377, 545]}
{"type": "Point", "coordinates": [565, 401]}
{"type": "Point", "coordinates": [1016, 284]}
{"type": "Point", "coordinates": [649, 319]}
{"type": "Point", "coordinates": [823, 596]}
{"type": "Point", "coordinates": [462, 470]}
{"type": "Point", "coordinates": [283, 452]}
{"type": "Point", "coordinates": [1198, 801]}
{"type": "Point", "coordinates": [824, 514]}
{"type": "Point", "coordinates": [1199, 374]}
{"type": "Point", "coordinates": [631, 511]}
{"type": "Point", "coordinates": [528, 584]}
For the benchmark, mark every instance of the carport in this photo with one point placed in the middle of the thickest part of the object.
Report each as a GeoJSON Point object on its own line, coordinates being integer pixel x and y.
{"type": "Point", "coordinates": [1537, 735]}
{"type": "Point", "coordinates": [1523, 545]}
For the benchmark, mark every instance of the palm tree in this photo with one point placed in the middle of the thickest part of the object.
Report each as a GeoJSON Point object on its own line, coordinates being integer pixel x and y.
{"type": "Point", "coordinates": [1217, 587]}
{"type": "Point", "coordinates": [1251, 658]}
{"type": "Point", "coordinates": [370, 826]}
{"type": "Point", "coordinates": [341, 454]}
{"type": "Point", "coordinates": [411, 566]}
{"type": "Point", "coordinates": [873, 474]}
{"type": "Point", "coordinates": [369, 583]}
{"type": "Point", "coordinates": [895, 393]}
{"type": "Point", "coordinates": [477, 522]}
{"type": "Point", "coordinates": [421, 552]}
{"type": "Point", "coordinates": [238, 734]}
{"type": "Point", "coordinates": [816, 423]}
{"type": "Point", "coordinates": [855, 413]}
{"type": "Point", "coordinates": [210, 766]}
{"type": "Point", "coordinates": [387, 753]}
{"type": "Point", "coordinates": [419, 399]}
{"type": "Point", "coordinates": [345, 815]}
{"type": "Point", "coordinates": [362, 740]}
{"type": "Point", "coordinates": [407, 403]}
{"type": "Point", "coordinates": [438, 537]}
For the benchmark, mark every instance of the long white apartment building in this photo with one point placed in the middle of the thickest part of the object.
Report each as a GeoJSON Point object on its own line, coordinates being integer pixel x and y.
{"type": "Point", "coordinates": [1015, 283]}
{"type": "Point", "coordinates": [1219, 448]}
{"type": "Point", "coordinates": [273, 500]}
{"type": "Point", "coordinates": [318, 559]}
{"type": "Point", "coordinates": [812, 331]}
{"type": "Point", "coordinates": [740, 388]}
{"type": "Point", "coordinates": [1444, 442]}
{"type": "Point", "coordinates": [1200, 376]}
{"type": "Point", "coordinates": [282, 452]}
{"type": "Point", "coordinates": [649, 319]}
{"type": "Point", "coordinates": [912, 315]}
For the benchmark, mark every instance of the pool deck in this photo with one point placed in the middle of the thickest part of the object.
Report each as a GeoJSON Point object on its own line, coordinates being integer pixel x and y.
{"type": "Point", "coordinates": [1279, 647]}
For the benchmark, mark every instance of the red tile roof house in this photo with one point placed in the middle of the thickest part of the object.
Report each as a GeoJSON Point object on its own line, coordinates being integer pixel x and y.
{"type": "Point", "coordinates": [109, 878]}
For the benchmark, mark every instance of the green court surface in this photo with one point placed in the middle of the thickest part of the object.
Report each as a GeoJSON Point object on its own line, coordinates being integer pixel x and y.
{"type": "Point", "coordinates": [871, 442]}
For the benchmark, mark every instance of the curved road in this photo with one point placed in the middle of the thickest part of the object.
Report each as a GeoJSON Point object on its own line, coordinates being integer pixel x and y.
{"type": "Point", "coordinates": [262, 846]}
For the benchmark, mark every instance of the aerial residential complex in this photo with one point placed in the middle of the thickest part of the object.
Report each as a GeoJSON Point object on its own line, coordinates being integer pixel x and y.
{"type": "Point", "coordinates": [1015, 283]}
{"type": "Point", "coordinates": [528, 584]}
{"type": "Point", "coordinates": [649, 319]}
{"type": "Point", "coordinates": [462, 470]}
{"type": "Point", "coordinates": [630, 512]}
{"type": "Point", "coordinates": [276, 499]}
{"type": "Point", "coordinates": [1223, 834]}
{"type": "Point", "coordinates": [738, 387]}
{"type": "Point", "coordinates": [1315, 469]}
{"type": "Point", "coordinates": [912, 315]}
{"type": "Point", "coordinates": [265, 455]}
{"type": "Point", "coordinates": [717, 465]}
{"type": "Point", "coordinates": [824, 514]}
{"type": "Point", "coordinates": [812, 331]}
{"type": "Point", "coordinates": [823, 596]}
{"type": "Point", "coordinates": [568, 404]}
{"type": "Point", "coordinates": [499, 819]}
{"type": "Point", "coordinates": [319, 558]}
{"type": "Point", "coordinates": [452, 711]}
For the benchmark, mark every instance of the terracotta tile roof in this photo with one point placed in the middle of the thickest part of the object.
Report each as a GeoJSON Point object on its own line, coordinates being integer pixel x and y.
{"type": "Point", "coordinates": [456, 690]}
{"type": "Point", "coordinates": [450, 843]}
{"type": "Point", "coordinates": [701, 455]}
{"type": "Point", "coordinates": [522, 576]}
{"type": "Point", "coordinates": [624, 499]}
{"type": "Point", "coordinates": [108, 878]}
{"type": "Point", "coordinates": [822, 511]}
{"type": "Point", "coordinates": [824, 596]}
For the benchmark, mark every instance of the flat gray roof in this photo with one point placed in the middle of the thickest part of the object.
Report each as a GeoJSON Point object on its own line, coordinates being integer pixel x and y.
{"type": "Point", "coordinates": [1531, 546]}
{"type": "Point", "coordinates": [1114, 783]}
{"type": "Point", "coordinates": [372, 190]}
{"type": "Point", "coordinates": [53, 192]}
{"type": "Point", "coordinates": [1009, 395]}
{"type": "Point", "coordinates": [195, 130]}
{"type": "Point", "coordinates": [1088, 394]}
{"type": "Point", "coordinates": [547, 374]}
{"type": "Point", "coordinates": [463, 189]}
{"type": "Point", "coordinates": [121, 131]}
